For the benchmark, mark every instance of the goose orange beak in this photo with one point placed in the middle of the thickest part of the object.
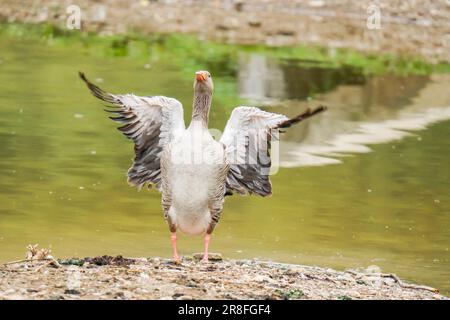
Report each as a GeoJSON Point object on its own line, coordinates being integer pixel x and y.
{"type": "Point", "coordinates": [200, 76]}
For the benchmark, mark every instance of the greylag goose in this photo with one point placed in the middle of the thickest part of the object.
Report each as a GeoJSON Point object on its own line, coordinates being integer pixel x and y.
{"type": "Point", "coordinates": [188, 166]}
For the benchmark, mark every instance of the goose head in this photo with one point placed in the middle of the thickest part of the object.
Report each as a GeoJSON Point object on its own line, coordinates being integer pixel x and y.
{"type": "Point", "coordinates": [203, 82]}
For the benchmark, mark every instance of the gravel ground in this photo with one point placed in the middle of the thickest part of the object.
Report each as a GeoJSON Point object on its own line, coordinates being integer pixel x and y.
{"type": "Point", "coordinates": [408, 27]}
{"type": "Point", "coordinates": [419, 28]}
{"type": "Point", "coordinates": [155, 278]}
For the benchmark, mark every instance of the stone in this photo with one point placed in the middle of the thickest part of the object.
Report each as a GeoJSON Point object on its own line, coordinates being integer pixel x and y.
{"type": "Point", "coordinates": [211, 256]}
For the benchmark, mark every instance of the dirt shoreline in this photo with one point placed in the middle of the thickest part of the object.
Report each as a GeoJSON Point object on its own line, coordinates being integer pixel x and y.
{"type": "Point", "coordinates": [156, 278]}
{"type": "Point", "coordinates": [408, 28]}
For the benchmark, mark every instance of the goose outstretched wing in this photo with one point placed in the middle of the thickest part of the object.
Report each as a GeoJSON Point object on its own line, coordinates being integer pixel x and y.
{"type": "Point", "coordinates": [151, 122]}
{"type": "Point", "coordinates": [247, 138]}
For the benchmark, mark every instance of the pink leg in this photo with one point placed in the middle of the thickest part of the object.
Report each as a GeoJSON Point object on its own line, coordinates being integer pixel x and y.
{"type": "Point", "coordinates": [207, 239]}
{"type": "Point", "coordinates": [173, 238]}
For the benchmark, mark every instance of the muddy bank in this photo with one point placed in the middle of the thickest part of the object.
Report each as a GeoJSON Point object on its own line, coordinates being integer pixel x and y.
{"type": "Point", "coordinates": [411, 28]}
{"type": "Point", "coordinates": [155, 278]}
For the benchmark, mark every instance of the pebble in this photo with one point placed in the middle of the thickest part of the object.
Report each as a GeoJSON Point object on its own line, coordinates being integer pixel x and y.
{"type": "Point", "coordinates": [223, 279]}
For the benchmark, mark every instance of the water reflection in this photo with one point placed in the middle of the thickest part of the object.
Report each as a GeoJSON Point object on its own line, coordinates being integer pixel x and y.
{"type": "Point", "coordinates": [259, 78]}
{"type": "Point", "coordinates": [263, 79]}
{"type": "Point", "coordinates": [363, 110]}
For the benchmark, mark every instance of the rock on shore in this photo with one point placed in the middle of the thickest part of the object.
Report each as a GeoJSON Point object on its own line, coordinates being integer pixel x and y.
{"type": "Point", "coordinates": [156, 278]}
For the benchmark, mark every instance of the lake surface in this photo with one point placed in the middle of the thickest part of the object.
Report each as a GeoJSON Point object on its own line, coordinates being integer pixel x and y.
{"type": "Point", "coordinates": [364, 184]}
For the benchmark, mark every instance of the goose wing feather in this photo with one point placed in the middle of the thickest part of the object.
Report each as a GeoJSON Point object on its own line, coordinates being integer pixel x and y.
{"type": "Point", "coordinates": [247, 137]}
{"type": "Point", "coordinates": [151, 122]}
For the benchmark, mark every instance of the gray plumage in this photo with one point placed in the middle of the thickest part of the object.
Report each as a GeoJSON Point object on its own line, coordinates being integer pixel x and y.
{"type": "Point", "coordinates": [247, 137]}
{"type": "Point", "coordinates": [151, 122]}
{"type": "Point", "coordinates": [166, 152]}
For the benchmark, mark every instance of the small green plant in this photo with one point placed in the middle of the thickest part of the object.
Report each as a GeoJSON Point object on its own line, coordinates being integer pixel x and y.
{"type": "Point", "coordinates": [290, 294]}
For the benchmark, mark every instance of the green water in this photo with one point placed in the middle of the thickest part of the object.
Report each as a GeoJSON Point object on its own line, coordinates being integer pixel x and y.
{"type": "Point", "coordinates": [63, 164]}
